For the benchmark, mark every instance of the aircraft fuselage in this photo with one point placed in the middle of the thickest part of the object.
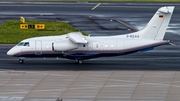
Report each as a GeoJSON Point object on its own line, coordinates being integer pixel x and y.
{"type": "Point", "coordinates": [96, 47]}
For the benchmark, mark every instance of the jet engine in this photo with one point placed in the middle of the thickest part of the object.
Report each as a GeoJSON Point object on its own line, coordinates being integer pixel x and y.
{"type": "Point", "coordinates": [64, 46]}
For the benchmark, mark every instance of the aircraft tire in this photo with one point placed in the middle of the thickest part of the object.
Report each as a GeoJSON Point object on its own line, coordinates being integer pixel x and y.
{"type": "Point", "coordinates": [21, 61]}
{"type": "Point", "coordinates": [80, 61]}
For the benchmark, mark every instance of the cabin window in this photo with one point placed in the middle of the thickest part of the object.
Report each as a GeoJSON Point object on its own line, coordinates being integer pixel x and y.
{"type": "Point", "coordinates": [84, 45]}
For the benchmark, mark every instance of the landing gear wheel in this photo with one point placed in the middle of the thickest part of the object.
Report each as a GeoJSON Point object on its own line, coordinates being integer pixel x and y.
{"type": "Point", "coordinates": [80, 61]}
{"type": "Point", "coordinates": [21, 61]}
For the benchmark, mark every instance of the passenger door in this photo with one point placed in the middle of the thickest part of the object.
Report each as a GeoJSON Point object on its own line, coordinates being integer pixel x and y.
{"type": "Point", "coordinates": [38, 47]}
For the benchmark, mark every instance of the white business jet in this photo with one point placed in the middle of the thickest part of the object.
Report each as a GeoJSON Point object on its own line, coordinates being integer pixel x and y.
{"type": "Point", "coordinates": [77, 47]}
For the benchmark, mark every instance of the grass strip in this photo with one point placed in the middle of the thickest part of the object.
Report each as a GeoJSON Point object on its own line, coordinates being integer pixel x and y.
{"type": "Point", "coordinates": [10, 32]}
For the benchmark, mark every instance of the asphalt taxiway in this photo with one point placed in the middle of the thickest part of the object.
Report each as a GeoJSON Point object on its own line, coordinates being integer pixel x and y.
{"type": "Point", "coordinates": [150, 76]}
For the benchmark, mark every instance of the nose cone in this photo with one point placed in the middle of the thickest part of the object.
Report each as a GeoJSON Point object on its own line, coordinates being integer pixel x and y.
{"type": "Point", "coordinates": [10, 52]}
{"type": "Point", "coordinates": [13, 51]}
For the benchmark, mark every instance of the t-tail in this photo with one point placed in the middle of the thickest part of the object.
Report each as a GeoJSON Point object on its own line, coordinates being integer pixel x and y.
{"type": "Point", "coordinates": [156, 27]}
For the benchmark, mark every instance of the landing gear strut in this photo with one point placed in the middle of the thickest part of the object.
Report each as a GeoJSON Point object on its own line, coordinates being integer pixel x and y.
{"type": "Point", "coordinates": [21, 60]}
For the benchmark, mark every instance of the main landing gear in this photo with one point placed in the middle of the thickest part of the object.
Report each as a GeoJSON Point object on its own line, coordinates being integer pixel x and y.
{"type": "Point", "coordinates": [80, 61]}
{"type": "Point", "coordinates": [21, 60]}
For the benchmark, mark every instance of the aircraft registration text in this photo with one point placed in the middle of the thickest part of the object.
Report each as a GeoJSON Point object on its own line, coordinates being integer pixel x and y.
{"type": "Point", "coordinates": [132, 36]}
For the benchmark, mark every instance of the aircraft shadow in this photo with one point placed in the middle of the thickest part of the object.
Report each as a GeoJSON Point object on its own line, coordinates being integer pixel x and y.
{"type": "Point", "coordinates": [95, 65]}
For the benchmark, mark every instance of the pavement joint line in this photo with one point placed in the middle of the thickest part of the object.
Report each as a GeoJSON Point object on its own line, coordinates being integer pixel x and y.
{"type": "Point", "coordinates": [138, 84]}
{"type": "Point", "coordinates": [104, 84]}
{"type": "Point", "coordinates": [83, 77]}
{"type": "Point", "coordinates": [73, 75]}
{"type": "Point", "coordinates": [24, 71]}
{"type": "Point", "coordinates": [125, 85]}
{"type": "Point", "coordinates": [171, 84]}
{"type": "Point", "coordinates": [142, 83]}
{"type": "Point", "coordinates": [71, 84]}
{"type": "Point", "coordinates": [110, 79]}
{"type": "Point", "coordinates": [46, 73]}
{"type": "Point", "coordinates": [7, 82]}
{"type": "Point", "coordinates": [37, 84]}
{"type": "Point", "coordinates": [96, 6]}
{"type": "Point", "coordinates": [69, 88]}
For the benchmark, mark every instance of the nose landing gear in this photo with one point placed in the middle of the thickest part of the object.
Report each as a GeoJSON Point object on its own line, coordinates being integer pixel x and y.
{"type": "Point", "coordinates": [21, 60]}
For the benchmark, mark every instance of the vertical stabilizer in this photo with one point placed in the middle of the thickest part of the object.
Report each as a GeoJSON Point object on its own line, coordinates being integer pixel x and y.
{"type": "Point", "coordinates": [157, 26]}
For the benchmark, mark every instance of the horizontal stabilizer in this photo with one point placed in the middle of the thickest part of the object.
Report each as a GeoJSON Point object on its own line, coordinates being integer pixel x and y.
{"type": "Point", "coordinates": [164, 10]}
{"type": "Point", "coordinates": [77, 37]}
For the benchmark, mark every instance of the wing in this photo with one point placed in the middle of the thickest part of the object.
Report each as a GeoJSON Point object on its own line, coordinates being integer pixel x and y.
{"type": "Point", "coordinates": [77, 37]}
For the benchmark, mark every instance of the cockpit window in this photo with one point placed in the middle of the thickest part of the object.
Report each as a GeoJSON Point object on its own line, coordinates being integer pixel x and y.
{"type": "Point", "coordinates": [26, 44]}
{"type": "Point", "coordinates": [23, 44]}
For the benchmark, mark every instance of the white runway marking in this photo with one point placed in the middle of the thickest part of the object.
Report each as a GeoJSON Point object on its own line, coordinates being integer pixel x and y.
{"type": "Point", "coordinates": [96, 6]}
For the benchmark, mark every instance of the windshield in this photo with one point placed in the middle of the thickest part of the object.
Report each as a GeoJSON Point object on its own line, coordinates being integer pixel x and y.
{"type": "Point", "coordinates": [20, 44]}
{"type": "Point", "coordinates": [26, 44]}
{"type": "Point", "coordinates": [23, 44]}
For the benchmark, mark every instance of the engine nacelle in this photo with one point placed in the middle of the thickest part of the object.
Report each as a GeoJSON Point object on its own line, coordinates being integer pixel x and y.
{"type": "Point", "coordinates": [64, 46]}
